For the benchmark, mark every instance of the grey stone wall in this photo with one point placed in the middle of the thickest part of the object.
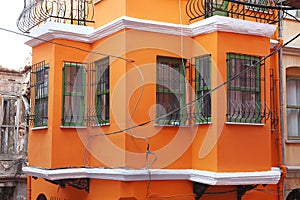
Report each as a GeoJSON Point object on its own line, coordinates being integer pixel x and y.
{"type": "Point", "coordinates": [13, 133]}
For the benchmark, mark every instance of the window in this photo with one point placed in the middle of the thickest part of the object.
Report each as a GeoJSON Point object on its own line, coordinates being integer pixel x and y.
{"type": "Point", "coordinates": [170, 91]}
{"type": "Point", "coordinates": [203, 86]}
{"type": "Point", "coordinates": [39, 79]}
{"type": "Point", "coordinates": [293, 107]}
{"type": "Point", "coordinates": [243, 89]}
{"type": "Point", "coordinates": [102, 91]}
{"type": "Point", "coordinates": [74, 75]}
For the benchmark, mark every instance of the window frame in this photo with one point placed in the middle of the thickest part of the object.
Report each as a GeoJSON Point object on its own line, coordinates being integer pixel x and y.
{"type": "Point", "coordinates": [82, 94]}
{"type": "Point", "coordinates": [40, 94]}
{"type": "Point", "coordinates": [102, 63]}
{"type": "Point", "coordinates": [256, 90]}
{"type": "Point", "coordinates": [180, 93]}
{"type": "Point", "coordinates": [202, 86]}
{"type": "Point", "coordinates": [292, 107]}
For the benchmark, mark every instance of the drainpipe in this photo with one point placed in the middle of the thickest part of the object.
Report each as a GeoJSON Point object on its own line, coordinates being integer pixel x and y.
{"type": "Point", "coordinates": [281, 132]}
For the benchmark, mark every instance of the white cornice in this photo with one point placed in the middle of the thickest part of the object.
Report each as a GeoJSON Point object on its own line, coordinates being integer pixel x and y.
{"type": "Point", "coordinates": [89, 35]}
{"type": "Point", "coordinates": [211, 178]}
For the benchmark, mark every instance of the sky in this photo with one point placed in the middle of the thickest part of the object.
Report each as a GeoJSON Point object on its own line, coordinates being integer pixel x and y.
{"type": "Point", "coordinates": [13, 51]}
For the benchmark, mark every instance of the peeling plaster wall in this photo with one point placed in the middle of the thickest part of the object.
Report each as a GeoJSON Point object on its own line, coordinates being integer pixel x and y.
{"type": "Point", "coordinates": [13, 133]}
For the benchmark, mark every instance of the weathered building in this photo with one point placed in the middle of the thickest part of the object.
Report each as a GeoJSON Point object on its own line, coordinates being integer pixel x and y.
{"type": "Point", "coordinates": [13, 136]}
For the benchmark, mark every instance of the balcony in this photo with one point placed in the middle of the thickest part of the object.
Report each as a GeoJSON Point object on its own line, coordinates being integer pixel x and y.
{"type": "Point", "coordinates": [263, 11]}
{"type": "Point", "coordinates": [37, 12]}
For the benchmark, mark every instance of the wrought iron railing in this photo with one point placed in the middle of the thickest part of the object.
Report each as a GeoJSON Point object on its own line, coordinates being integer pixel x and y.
{"type": "Point", "coordinates": [36, 12]}
{"type": "Point", "coordinates": [264, 11]}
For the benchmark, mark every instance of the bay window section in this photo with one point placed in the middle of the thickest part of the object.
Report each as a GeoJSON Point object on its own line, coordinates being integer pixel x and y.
{"type": "Point", "coordinates": [74, 91]}
{"type": "Point", "coordinates": [170, 91]}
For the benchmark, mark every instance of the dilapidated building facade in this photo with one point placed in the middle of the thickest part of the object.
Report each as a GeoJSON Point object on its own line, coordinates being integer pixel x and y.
{"type": "Point", "coordinates": [13, 136]}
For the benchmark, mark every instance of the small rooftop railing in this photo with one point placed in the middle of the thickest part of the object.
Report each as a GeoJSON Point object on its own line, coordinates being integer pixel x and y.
{"type": "Point", "coordinates": [263, 11]}
{"type": "Point", "coordinates": [36, 12]}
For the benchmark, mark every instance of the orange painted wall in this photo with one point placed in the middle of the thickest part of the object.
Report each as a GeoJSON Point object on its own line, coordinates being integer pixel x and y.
{"type": "Point", "coordinates": [164, 11]}
{"type": "Point", "coordinates": [112, 190]}
{"type": "Point", "coordinates": [103, 11]}
{"type": "Point", "coordinates": [229, 152]}
{"type": "Point", "coordinates": [39, 141]}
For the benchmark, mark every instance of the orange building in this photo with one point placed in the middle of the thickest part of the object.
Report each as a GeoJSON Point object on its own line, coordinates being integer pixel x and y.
{"type": "Point", "coordinates": [153, 99]}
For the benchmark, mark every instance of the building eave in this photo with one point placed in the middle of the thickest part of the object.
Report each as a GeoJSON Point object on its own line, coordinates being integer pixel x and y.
{"type": "Point", "coordinates": [211, 178]}
{"type": "Point", "coordinates": [88, 34]}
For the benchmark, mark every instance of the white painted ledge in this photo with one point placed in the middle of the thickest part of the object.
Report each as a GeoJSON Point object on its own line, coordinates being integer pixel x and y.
{"type": "Point", "coordinates": [211, 178]}
{"type": "Point", "coordinates": [88, 34]}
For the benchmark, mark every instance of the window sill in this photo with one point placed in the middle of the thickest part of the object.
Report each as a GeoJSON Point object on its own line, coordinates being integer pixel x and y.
{"type": "Point", "coordinates": [167, 125]}
{"type": "Point", "coordinates": [39, 128]}
{"type": "Point", "coordinates": [243, 123]}
{"type": "Point", "coordinates": [98, 1]}
{"type": "Point", "coordinates": [99, 125]}
{"type": "Point", "coordinates": [81, 127]}
{"type": "Point", "coordinates": [292, 141]}
{"type": "Point", "coordinates": [202, 123]}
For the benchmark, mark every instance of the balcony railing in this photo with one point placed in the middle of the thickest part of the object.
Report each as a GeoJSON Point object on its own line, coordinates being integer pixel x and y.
{"type": "Point", "coordinates": [263, 11]}
{"type": "Point", "coordinates": [36, 12]}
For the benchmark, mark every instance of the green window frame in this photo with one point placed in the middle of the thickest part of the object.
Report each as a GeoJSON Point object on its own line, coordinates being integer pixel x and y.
{"type": "Point", "coordinates": [203, 88]}
{"type": "Point", "coordinates": [39, 82]}
{"type": "Point", "coordinates": [170, 91]}
{"type": "Point", "coordinates": [244, 88]}
{"type": "Point", "coordinates": [293, 107]}
{"type": "Point", "coordinates": [74, 92]}
{"type": "Point", "coordinates": [102, 91]}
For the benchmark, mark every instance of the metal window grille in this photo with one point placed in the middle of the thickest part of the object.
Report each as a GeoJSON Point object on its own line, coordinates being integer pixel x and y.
{"type": "Point", "coordinates": [98, 109]}
{"type": "Point", "coordinates": [39, 89]}
{"type": "Point", "coordinates": [244, 99]}
{"type": "Point", "coordinates": [170, 91]}
{"type": "Point", "coordinates": [74, 91]}
{"type": "Point", "coordinates": [202, 88]}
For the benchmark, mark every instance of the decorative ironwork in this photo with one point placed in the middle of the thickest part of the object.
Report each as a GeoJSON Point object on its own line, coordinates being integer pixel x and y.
{"type": "Point", "coordinates": [264, 11]}
{"type": "Point", "coordinates": [74, 93]}
{"type": "Point", "coordinates": [170, 91]}
{"type": "Point", "coordinates": [201, 71]}
{"type": "Point", "coordinates": [39, 91]}
{"type": "Point", "coordinates": [199, 189]}
{"type": "Point", "coordinates": [78, 183]}
{"type": "Point", "coordinates": [98, 91]}
{"type": "Point", "coordinates": [35, 12]}
{"type": "Point", "coordinates": [246, 89]}
{"type": "Point", "coordinates": [242, 189]}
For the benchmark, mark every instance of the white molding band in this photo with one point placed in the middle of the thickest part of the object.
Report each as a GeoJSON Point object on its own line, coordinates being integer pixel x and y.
{"type": "Point", "coordinates": [88, 34]}
{"type": "Point", "coordinates": [206, 177]}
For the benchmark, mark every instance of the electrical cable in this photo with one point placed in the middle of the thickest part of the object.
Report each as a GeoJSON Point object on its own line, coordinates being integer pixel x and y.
{"type": "Point", "coordinates": [208, 93]}
{"type": "Point", "coordinates": [130, 61]}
